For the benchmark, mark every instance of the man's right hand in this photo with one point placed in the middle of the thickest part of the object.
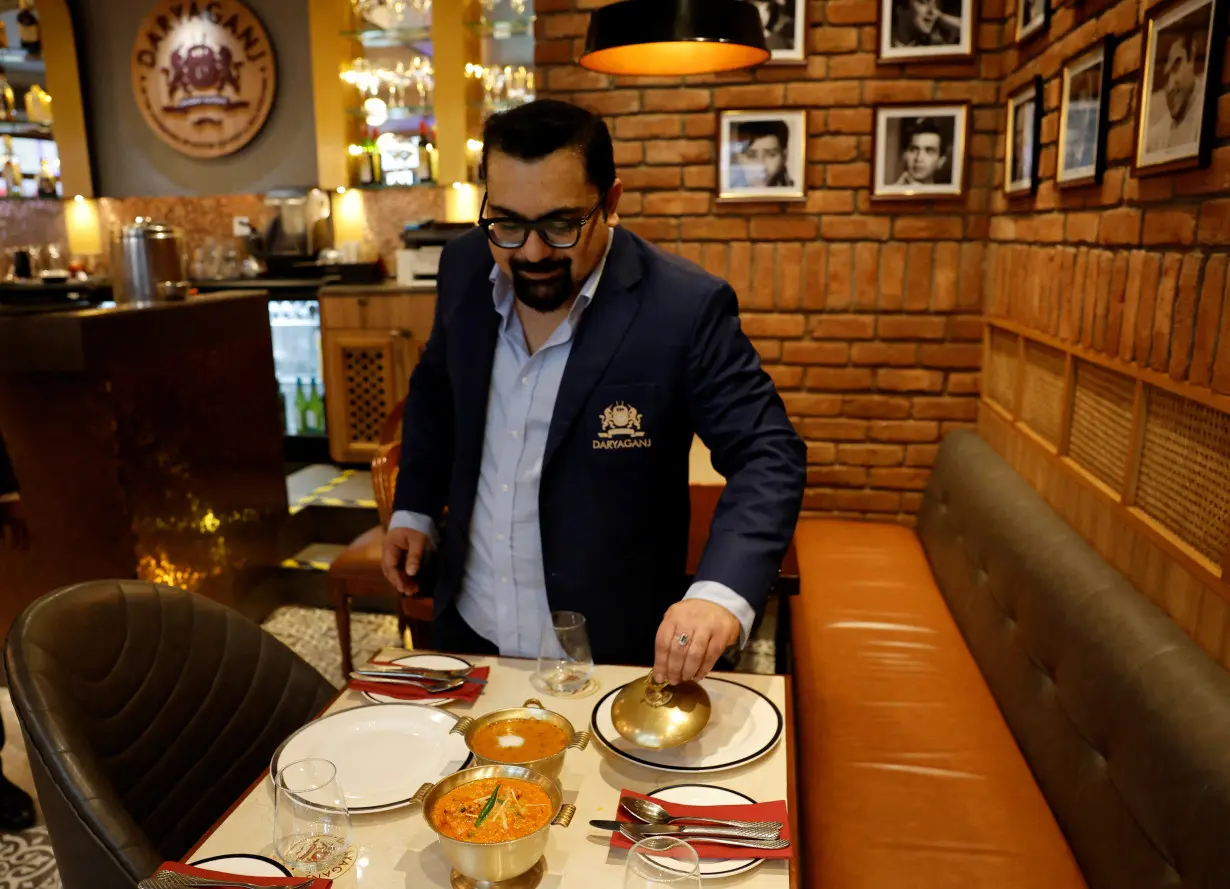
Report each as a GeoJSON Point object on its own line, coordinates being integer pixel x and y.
{"type": "Point", "coordinates": [404, 549]}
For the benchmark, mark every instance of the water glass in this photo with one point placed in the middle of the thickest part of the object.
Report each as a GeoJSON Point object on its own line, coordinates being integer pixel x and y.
{"type": "Point", "coordinates": [311, 822]}
{"type": "Point", "coordinates": [565, 663]}
{"type": "Point", "coordinates": [662, 862]}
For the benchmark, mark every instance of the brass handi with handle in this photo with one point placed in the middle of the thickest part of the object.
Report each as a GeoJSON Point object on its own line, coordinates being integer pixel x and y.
{"type": "Point", "coordinates": [532, 709]}
{"type": "Point", "coordinates": [659, 716]}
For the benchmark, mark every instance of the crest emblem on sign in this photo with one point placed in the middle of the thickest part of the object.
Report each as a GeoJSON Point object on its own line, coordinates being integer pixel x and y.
{"type": "Point", "coordinates": [204, 75]}
{"type": "Point", "coordinates": [621, 420]}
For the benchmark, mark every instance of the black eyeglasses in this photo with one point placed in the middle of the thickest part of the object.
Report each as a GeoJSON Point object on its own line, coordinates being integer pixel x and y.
{"type": "Point", "coordinates": [559, 232]}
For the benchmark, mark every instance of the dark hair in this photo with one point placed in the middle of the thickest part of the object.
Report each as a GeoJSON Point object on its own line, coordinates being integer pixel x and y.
{"type": "Point", "coordinates": [924, 126]}
{"type": "Point", "coordinates": [1190, 39]}
{"type": "Point", "coordinates": [758, 129]}
{"type": "Point", "coordinates": [534, 130]}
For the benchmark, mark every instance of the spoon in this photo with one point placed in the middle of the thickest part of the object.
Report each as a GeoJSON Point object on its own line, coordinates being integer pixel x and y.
{"type": "Point", "coordinates": [652, 813]}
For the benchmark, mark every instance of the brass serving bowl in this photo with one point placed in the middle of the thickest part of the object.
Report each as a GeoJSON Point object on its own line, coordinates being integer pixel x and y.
{"type": "Point", "coordinates": [493, 862]}
{"type": "Point", "coordinates": [532, 709]}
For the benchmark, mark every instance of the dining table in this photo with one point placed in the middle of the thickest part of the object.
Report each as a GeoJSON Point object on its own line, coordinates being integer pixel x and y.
{"type": "Point", "coordinates": [396, 848]}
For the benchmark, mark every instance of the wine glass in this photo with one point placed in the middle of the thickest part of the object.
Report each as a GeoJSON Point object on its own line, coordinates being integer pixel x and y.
{"type": "Point", "coordinates": [565, 663]}
{"type": "Point", "coordinates": [311, 822]}
{"type": "Point", "coordinates": [657, 862]}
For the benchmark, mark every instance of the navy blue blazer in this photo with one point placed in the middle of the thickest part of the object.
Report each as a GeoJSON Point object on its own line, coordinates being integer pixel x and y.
{"type": "Point", "coordinates": [661, 337]}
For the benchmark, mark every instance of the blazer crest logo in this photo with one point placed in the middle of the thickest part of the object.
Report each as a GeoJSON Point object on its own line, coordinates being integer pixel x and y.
{"type": "Point", "coordinates": [621, 428]}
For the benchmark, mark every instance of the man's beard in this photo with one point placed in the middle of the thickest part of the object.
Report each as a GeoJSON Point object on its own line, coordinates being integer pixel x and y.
{"type": "Point", "coordinates": [542, 294]}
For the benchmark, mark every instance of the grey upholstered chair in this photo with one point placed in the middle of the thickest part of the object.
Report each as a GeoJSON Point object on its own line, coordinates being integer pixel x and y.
{"type": "Point", "coordinates": [147, 711]}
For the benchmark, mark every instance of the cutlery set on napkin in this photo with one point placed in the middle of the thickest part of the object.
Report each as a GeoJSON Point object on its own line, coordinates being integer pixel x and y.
{"type": "Point", "coordinates": [753, 830]}
{"type": "Point", "coordinates": [409, 683]}
{"type": "Point", "coordinates": [173, 875]}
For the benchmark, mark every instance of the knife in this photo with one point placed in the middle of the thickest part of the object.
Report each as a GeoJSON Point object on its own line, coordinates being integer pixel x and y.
{"type": "Point", "coordinates": [677, 830]}
{"type": "Point", "coordinates": [408, 673]}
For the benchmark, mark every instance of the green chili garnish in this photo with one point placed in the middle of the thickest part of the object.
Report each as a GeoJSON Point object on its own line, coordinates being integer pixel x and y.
{"type": "Point", "coordinates": [482, 816]}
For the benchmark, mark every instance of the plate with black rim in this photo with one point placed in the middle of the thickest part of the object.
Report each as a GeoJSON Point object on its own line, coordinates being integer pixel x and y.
{"type": "Point", "coordinates": [709, 795]}
{"type": "Point", "coordinates": [744, 725]}
{"type": "Point", "coordinates": [383, 752]}
{"type": "Point", "coordinates": [243, 865]}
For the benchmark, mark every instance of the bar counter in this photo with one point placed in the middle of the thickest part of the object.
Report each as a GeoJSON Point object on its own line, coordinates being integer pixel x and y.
{"type": "Point", "coordinates": [147, 443]}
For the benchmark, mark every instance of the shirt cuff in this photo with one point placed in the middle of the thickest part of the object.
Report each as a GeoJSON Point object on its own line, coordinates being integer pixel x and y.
{"type": "Point", "coordinates": [416, 521]}
{"type": "Point", "coordinates": [10, 498]}
{"type": "Point", "coordinates": [720, 594]}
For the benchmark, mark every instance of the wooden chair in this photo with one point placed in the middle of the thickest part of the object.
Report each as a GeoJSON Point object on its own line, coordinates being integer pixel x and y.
{"type": "Point", "coordinates": [357, 571]}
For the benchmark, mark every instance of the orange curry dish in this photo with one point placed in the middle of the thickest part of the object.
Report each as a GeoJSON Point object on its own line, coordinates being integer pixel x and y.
{"type": "Point", "coordinates": [493, 810]}
{"type": "Point", "coordinates": [518, 740]}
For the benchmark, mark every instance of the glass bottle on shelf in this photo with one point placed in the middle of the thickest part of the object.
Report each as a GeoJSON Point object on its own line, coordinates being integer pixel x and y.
{"type": "Point", "coordinates": [12, 169]}
{"type": "Point", "coordinates": [8, 104]}
{"type": "Point", "coordinates": [300, 405]}
{"type": "Point", "coordinates": [315, 411]}
{"type": "Point", "coordinates": [29, 31]}
{"type": "Point", "coordinates": [4, 35]}
{"type": "Point", "coordinates": [46, 180]}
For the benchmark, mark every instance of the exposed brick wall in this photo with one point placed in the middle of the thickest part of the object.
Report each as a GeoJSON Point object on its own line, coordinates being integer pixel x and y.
{"type": "Point", "coordinates": [1136, 267]}
{"type": "Point", "coordinates": [867, 316]}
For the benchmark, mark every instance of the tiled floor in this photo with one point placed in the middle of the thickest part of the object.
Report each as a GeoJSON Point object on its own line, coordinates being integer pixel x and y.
{"type": "Point", "coordinates": [26, 859]}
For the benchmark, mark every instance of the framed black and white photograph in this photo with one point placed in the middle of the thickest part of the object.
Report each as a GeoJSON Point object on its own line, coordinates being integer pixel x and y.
{"type": "Point", "coordinates": [1024, 133]}
{"type": "Point", "coordinates": [1083, 115]}
{"type": "Point", "coordinates": [927, 30]}
{"type": "Point", "coordinates": [1032, 17]}
{"type": "Point", "coordinates": [1175, 122]}
{"type": "Point", "coordinates": [919, 150]}
{"type": "Point", "coordinates": [785, 28]}
{"type": "Point", "coordinates": [762, 155]}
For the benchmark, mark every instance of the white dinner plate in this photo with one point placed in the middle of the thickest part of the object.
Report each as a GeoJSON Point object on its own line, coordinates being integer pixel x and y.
{"type": "Point", "coordinates": [383, 752]}
{"type": "Point", "coordinates": [708, 795]}
{"type": "Point", "coordinates": [243, 866]}
{"type": "Point", "coordinates": [743, 726]}
{"type": "Point", "coordinates": [423, 662]}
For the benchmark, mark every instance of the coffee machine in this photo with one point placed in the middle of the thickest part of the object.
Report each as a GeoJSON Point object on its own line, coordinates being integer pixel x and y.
{"type": "Point", "coordinates": [302, 226]}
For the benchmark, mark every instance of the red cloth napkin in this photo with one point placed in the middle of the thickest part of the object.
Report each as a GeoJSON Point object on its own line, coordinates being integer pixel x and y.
{"type": "Point", "coordinates": [775, 811]}
{"type": "Point", "coordinates": [188, 870]}
{"type": "Point", "coordinates": [405, 692]}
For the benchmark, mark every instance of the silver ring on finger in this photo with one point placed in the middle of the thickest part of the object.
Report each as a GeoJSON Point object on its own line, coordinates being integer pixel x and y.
{"type": "Point", "coordinates": [683, 639]}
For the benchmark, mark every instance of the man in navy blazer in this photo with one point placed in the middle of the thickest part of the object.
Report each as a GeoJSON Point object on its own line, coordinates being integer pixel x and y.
{"type": "Point", "coordinates": [552, 413]}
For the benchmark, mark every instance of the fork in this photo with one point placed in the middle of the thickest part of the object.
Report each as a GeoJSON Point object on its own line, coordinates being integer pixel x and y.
{"type": "Point", "coordinates": [768, 845]}
{"type": "Point", "coordinates": [166, 879]}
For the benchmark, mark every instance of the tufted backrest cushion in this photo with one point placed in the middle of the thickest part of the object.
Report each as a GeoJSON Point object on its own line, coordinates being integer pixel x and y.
{"type": "Point", "coordinates": [1124, 720]}
{"type": "Point", "coordinates": [148, 712]}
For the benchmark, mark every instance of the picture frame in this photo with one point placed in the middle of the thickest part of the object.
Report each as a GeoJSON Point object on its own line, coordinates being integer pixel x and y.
{"type": "Point", "coordinates": [1032, 18]}
{"type": "Point", "coordinates": [1176, 115]}
{"type": "Point", "coordinates": [785, 29]}
{"type": "Point", "coordinates": [925, 30]}
{"type": "Point", "coordinates": [762, 155]}
{"type": "Point", "coordinates": [919, 150]}
{"type": "Point", "coordinates": [1023, 135]}
{"type": "Point", "coordinates": [1084, 111]}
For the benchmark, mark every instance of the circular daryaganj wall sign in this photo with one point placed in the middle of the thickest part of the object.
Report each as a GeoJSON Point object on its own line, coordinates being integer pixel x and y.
{"type": "Point", "coordinates": [204, 75]}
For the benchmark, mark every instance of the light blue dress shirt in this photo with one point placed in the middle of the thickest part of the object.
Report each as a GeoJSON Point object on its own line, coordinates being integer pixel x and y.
{"type": "Point", "coordinates": [504, 591]}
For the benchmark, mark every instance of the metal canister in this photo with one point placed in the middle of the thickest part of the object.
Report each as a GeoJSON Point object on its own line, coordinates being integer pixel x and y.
{"type": "Point", "coordinates": [151, 266]}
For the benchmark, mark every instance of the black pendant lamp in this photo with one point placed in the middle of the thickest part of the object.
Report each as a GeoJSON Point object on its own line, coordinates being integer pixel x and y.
{"type": "Point", "coordinates": [666, 38]}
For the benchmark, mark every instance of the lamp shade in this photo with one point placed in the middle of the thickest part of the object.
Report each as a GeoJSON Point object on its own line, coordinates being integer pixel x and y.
{"type": "Point", "coordinates": [674, 37]}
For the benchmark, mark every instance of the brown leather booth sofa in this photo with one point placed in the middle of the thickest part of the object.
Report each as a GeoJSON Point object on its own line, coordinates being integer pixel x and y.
{"type": "Point", "coordinates": [987, 703]}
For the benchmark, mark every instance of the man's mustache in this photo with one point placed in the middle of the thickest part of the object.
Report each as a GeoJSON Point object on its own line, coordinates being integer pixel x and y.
{"type": "Point", "coordinates": [540, 268]}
